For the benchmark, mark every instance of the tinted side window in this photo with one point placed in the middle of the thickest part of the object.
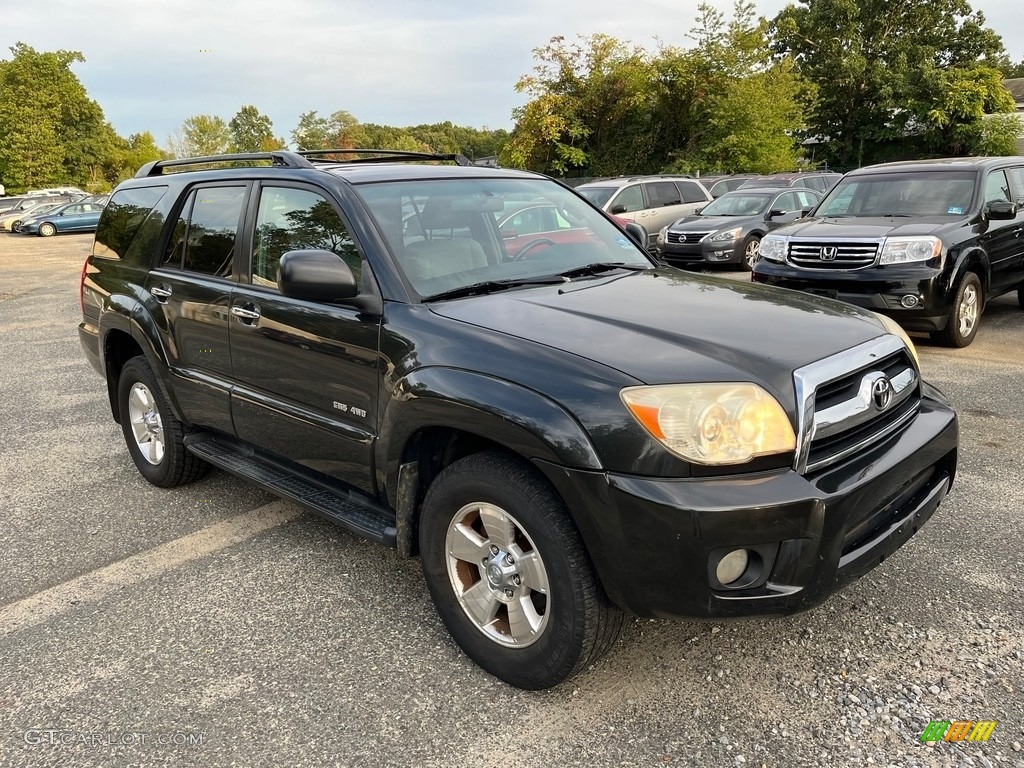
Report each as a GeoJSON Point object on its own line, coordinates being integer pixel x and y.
{"type": "Point", "coordinates": [807, 200]}
{"type": "Point", "coordinates": [1017, 179]}
{"type": "Point", "coordinates": [996, 187]}
{"type": "Point", "coordinates": [123, 218]}
{"type": "Point", "coordinates": [631, 197]}
{"type": "Point", "coordinates": [661, 193]}
{"type": "Point", "coordinates": [203, 239]}
{"type": "Point", "coordinates": [786, 202]}
{"type": "Point", "coordinates": [297, 219]}
{"type": "Point", "coordinates": [692, 193]}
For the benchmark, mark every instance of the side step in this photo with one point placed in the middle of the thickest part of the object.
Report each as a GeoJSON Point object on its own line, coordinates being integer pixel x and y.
{"type": "Point", "coordinates": [330, 499]}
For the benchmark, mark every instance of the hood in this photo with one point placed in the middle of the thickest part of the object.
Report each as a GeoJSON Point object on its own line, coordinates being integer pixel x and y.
{"type": "Point", "coordinates": [708, 223]}
{"type": "Point", "coordinates": [870, 227]}
{"type": "Point", "coordinates": [667, 326]}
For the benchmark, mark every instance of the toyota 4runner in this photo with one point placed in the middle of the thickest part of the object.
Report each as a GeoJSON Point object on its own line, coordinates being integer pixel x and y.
{"type": "Point", "coordinates": [564, 431]}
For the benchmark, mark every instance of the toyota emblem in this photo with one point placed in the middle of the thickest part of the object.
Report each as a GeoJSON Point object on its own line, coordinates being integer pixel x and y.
{"type": "Point", "coordinates": [828, 253]}
{"type": "Point", "coordinates": [881, 393]}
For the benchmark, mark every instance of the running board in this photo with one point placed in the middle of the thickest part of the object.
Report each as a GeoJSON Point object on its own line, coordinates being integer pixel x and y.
{"type": "Point", "coordinates": [332, 500]}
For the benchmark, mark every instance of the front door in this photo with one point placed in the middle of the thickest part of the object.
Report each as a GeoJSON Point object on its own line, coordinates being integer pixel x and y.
{"type": "Point", "coordinates": [306, 373]}
{"type": "Point", "coordinates": [1002, 239]}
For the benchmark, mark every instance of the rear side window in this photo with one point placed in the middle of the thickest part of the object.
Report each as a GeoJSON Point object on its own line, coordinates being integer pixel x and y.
{"type": "Point", "coordinates": [122, 220]}
{"type": "Point", "coordinates": [662, 193]}
{"type": "Point", "coordinates": [692, 193]}
{"type": "Point", "coordinates": [203, 239]}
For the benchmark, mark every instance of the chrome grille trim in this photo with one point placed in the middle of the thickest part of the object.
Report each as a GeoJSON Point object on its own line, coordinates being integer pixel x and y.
{"type": "Point", "coordinates": [867, 441]}
{"type": "Point", "coordinates": [854, 412]}
{"type": "Point", "coordinates": [808, 379]}
{"type": "Point", "coordinates": [845, 254]}
{"type": "Point", "coordinates": [685, 238]}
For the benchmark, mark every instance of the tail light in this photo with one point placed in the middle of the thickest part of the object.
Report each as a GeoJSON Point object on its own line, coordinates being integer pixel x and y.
{"type": "Point", "coordinates": [81, 285]}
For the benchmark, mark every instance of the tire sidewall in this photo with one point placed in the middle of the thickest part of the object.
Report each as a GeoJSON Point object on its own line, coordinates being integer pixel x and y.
{"type": "Point", "coordinates": [550, 657]}
{"type": "Point", "coordinates": [954, 335]}
{"type": "Point", "coordinates": [746, 244]}
{"type": "Point", "coordinates": [47, 230]}
{"type": "Point", "coordinates": [137, 371]}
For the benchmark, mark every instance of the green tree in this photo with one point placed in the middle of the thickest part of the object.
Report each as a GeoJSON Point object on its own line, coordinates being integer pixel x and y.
{"type": "Point", "coordinates": [50, 130]}
{"type": "Point", "coordinates": [1010, 70]}
{"type": "Point", "coordinates": [200, 136]}
{"type": "Point", "coordinates": [890, 73]}
{"type": "Point", "coordinates": [250, 130]}
{"type": "Point", "coordinates": [316, 132]}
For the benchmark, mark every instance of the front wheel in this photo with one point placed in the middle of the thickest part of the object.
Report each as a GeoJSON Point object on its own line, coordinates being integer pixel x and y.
{"type": "Point", "coordinates": [46, 229]}
{"type": "Point", "coordinates": [965, 316]}
{"type": "Point", "coordinates": [509, 575]}
{"type": "Point", "coordinates": [751, 251]}
{"type": "Point", "coordinates": [154, 436]}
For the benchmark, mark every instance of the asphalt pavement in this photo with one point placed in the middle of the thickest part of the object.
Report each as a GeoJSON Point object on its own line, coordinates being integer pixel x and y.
{"type": "Point", "coordinates": [213, 625]}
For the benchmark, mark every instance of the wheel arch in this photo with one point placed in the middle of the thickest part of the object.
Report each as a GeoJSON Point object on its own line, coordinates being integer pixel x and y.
{"type": "Point", "coordinates": [437, 416]}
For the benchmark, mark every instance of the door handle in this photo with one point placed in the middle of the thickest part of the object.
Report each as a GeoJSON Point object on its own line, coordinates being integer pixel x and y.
{"type": "Point", "coordinates": [162, 291]}
{"type": "Point", "coordinates": [249, 314]}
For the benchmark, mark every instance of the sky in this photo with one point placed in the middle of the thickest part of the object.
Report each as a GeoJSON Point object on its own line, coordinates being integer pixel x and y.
{"type": "Point", "coordinates": [152, 63]}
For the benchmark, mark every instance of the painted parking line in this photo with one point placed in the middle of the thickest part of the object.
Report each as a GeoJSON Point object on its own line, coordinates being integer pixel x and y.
{"type": "Point", "coordinates": [95, 585]}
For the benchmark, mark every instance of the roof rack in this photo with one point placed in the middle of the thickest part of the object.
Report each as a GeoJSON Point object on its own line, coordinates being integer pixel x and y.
{"type": "Point", "coordinates": [279, 158]}
{"type": "Point", "coordinates": [383, 155]}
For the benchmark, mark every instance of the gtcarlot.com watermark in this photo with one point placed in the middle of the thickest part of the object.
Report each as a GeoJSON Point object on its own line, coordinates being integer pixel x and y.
{"type": "Point", "coordinates": [56, 737]}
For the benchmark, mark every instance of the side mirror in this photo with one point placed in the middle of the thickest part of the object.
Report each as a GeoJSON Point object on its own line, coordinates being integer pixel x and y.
{"type": "Point", "coordinates": [1001, 209]}
{"type": "Point", "coordinates": [700, 210]}
{"type": "Point", "coordinates": [637, 234]}
{"type": "Point", "coordinates": [616, 209]}
{"type": "Point", "coordinates": [806, 212]}
{"type": "Point", "coordinates": [315, 276]}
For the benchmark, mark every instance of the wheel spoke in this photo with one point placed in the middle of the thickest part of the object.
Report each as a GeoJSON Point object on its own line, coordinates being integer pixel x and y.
{"type": "Point", "coordinates": [151, 448]}
{"type": "Point", "coordinates": [499, 529]}
{"type": "Point", "coordinates": [523, 619]}
{"type": "Point", "coordinates": [139, 429]}
{"type": "Point", "coordinates": [466, 544]}
{"type": "Point", "coordinates": [531, 571]}
{"type": "Point", "coordinates": [480, 603]}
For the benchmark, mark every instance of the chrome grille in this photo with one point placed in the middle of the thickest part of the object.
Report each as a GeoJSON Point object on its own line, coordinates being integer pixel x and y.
{"type": "Point", "coordinates": [814, 254]}
{"type": "Point", "coordinates": [841, 408]}
{"type": "Point", "coordinates": [686, 237]}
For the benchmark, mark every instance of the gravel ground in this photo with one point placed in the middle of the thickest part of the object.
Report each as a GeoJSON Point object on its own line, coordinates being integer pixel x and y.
{"type": "Point", "coordinates": [218, 614]}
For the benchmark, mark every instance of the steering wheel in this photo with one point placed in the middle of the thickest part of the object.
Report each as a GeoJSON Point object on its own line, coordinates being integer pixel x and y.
{"type": "Point", "coordinates": [532, 244]}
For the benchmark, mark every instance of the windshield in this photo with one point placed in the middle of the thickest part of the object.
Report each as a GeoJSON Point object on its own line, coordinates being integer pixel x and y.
{"type": "Point", "coordinates": [598, 195]}
{"type": "Point", "coordinates": [935, 193]}
{"type": "Point", "coordinates": [737, 204]}
{"type": "Point", "coordinates": [448, 234]}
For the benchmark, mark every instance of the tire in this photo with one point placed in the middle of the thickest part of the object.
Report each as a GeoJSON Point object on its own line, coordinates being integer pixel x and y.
{"type": "Point", "coordinates": [965, 316]}
{"type": "Point", "coordinates": [751, 251]}
{"type": "Point", "coordinates": [1020, 297]}
{"type": "Point", "coordinates": [499, 514]}
{"type": "Point", "coordinates": [153, 435]}
{"type": "Point", "coordinates": [46, 229]}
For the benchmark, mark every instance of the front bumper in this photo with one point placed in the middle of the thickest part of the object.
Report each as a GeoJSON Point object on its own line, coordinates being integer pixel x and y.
{"type": "Point", "coordinates": [880, 289]}
{"type": "Point", "coordinates": [655, 542]}
{"type": "Point", "coordinates": [704, 252]}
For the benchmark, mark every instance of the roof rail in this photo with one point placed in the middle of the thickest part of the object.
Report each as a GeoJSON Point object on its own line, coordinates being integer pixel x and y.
{"type": "Point", "coordinates": [278, 158]}
{"type": "Point", "coordinates": [383, 155]}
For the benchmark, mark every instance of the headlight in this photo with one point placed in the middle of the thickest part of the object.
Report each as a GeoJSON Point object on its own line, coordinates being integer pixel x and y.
{"type": "Point", "coordinates": [773, 248]}
{"type": "Point", "coordinates": [712, 424]}
{"type": "Point", "coordinates": [904, 250]}
{"type": "Point", "coordinates": [894, 328]}
{"type": "Point", "coordinates": [662, 236]}
{"type": "Point", "coordinates": [725, 234]}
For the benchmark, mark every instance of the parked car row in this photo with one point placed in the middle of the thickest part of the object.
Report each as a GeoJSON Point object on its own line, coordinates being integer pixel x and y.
{"type": "Point", "coordinates": [47, 215]}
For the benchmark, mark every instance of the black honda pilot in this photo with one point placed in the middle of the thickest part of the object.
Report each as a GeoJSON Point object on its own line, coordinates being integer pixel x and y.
{"type": "Point", "coordinates": [927, 243]}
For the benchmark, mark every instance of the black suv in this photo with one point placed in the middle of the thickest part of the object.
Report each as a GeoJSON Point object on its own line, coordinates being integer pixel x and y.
{"type": "Point", "coordinates": [927, 243]}
{"type": "Point", "coordinates": [562, 430]}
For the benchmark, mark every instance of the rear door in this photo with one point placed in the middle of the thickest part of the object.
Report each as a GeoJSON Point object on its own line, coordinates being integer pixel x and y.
{"type": "Point", "coordinates": [306, 373]}
{"type": "Point", "coordinates": [1016, 179]}
{"type": "Point", "coordinates": [190, 291]}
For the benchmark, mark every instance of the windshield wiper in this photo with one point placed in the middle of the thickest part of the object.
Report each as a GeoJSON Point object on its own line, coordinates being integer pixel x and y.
{"type": "Point", "coordinates": [601, 266]}
{"type": "Point", "coordinates": [490, 286]}
{"type": "Point", "coordinates": [896, 216]}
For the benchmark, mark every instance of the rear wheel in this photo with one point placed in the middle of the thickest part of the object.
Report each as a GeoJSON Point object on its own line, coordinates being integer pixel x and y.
{"type": "Point", "coordinates": [1020, 296]}
{"type": "Point", "coordinates": [154, 436]}
{"type": "Point", "coordinates": [965, 316]}
{"type": "Point", "coordinates": [46, 229]}
{"type": "Point", "coordinates": [508, 573]}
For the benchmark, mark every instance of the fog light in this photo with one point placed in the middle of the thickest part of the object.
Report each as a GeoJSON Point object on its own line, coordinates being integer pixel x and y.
{"type": "Point", "coordinates": [732, 566]}
{"type": "Point", "coordinates": [910, 301]}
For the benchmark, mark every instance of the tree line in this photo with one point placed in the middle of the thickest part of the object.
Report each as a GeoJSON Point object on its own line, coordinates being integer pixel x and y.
{"type": "Point", "coordinates": [824, 82]}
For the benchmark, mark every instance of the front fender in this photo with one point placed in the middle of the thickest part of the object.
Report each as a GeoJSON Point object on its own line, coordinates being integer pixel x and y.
{"type": "Point", "coordinates": [521, 419]}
